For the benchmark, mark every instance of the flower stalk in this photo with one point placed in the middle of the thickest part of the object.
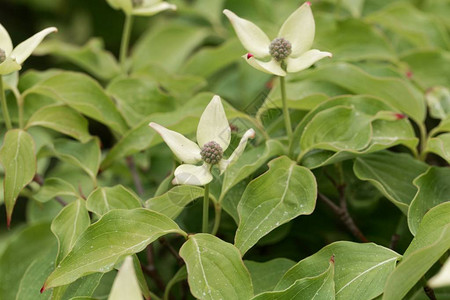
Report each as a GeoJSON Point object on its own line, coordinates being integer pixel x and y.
{"type": "Point", "coordinates": [205, 219]}
{"type": "Point", "coordinates": [287, 118]}
{"type": "Point", "coordinates": [4, 106]}
{"type": "Point", "coordinates": [124, 44]}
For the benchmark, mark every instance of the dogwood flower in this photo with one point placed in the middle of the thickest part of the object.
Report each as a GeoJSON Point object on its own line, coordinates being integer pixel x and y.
{"type": "Point", "coordinates": [11, 60]}
{"type": "Point", "coordinates": [289, 52]}
{"type": "Point", "coordinates": [213, 138]}
{"type": "Point", "coordinates": [141, 7]}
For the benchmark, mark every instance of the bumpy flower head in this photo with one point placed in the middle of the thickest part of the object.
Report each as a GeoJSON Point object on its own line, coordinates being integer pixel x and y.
{"type": "Point", "coordinates": [213, 138]}
{"type": "Point", "coordinates": [280, 49]}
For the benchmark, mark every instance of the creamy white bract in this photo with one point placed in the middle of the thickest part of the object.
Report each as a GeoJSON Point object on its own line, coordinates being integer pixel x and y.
{"type": "Point", "coordinates": [141, 7]}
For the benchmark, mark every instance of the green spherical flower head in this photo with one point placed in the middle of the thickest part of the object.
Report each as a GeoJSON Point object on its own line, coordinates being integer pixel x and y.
{"type": "Point", "coordinates": [280, 49]}
{"type": "Point", "coordinates": [211, 153]}
{"type": "Point", "coordinates": [137, 3]}
{"type": "Point", "coordinates": [2, 55]}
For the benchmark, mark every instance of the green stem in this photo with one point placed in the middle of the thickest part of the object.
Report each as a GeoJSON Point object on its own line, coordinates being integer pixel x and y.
{"type": "Point", "coordinates": [423, 141]}
{"type": "Point", "coordinates": [4, 106]}
{"type": "Point", "coordinates": [19, 100]}
{"type": "Point", "coordinates": [217, 217]}
{"type": "Point", "coordinates": [125, 40]}
{"type": "Point", "coordinates": [205, 210]}
{"type": "Point", "coordinates": [287, 118]}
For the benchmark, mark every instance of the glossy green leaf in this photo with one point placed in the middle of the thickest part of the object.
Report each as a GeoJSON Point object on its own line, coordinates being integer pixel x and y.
{"type": "Point", "coordinates": [281, 194]}
{"type": "Point", "coordinates": [85, 156]}
{"type": "Point", "coordinates": [83, 287]}
{"type": "Point", "coordinates": [430, 243]}
{"type": "Point", "coordinates": [265, 275]}
{"type": "Point", "coordinates": [62, 119]}
{"type": "Point", "coordinates": [104, 199]}
{"type": "Point", "coordinates": [394, 91]}
{"type": "Point", "coordinates": [440, 145]}
{"type": "Point", "coordinates": [215, 269]}
{"type": "Point", "coordinates": [392, 174]}
{"type": "Point", "coordinates": [173, 202]}
{"type": "Point", "coordinates": [55, 186]}
{"type": "Point", "coordinates": [126, 285]}
{"type": "Point", "coordinates": [361, 270]}
{"type": "Point", "coordinates": [24, 247]}
{"type": "Point", "coordinates": [68, 225]}
{"type": "Point", "coordinates": [167, 45]}
{"type": "Point", "coordinates": [433, 189]}
{"type": "Point", "coordinates": [19, 163]}
{"type": "Point", "coordinates": [138, 97]}
{"type": "Point", "coordinates": [248, 163]}
{"type": "Point", "coordinates": [83, 94]}
{"type": "Point", "coordinates": [117, 234]}
{"type": "Point", "coordinates": [91, 57]}
{"type": "Point", "coordinates": [320, 287]}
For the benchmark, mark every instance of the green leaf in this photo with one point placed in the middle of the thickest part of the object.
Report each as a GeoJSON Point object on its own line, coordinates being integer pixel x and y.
{"type": "Point", "coordinates": [430, 243]}
{"type": "Point", "coordinates": [83, 287]}
{"type": "Point", "coordinates": [318, 287]}
{"type": "Point", "coordinates": [438, 100]}
{"type": "Point", "coordinates": [62, 119]}
{"type": "Point", "coordinates": [23, 248]}
{"type": "Point", "coordinates": [19, 163]}
{"type": "Point", "coordinates": [215, 269]}
{"type": "Point", "coordinates": [433, 189]}
{"type": "Point", "coordinates": [84, 95]}
{"type": "Point", "coordinates": [117, 234]}
{"type": "Point", "coordinates": [361, 270]}
{"type": "Point", "coordinates": [172, 203]}
{"type": "Point", "coordinates": [68, 225]}
{"type": "Point", "coordinates": [392, 174]}
{"type": "Point", "coordinates": [104, 199]}
{"type": "Point", "coordinates": [248, 163]}
{"type": "Point", "coordinates": [167, 45]}
{"type": "Point", "coordinates": [281, 194]}
{"type": "Point", "coordinates": [126, 285]}
{"type": "Point", "coordinates": [55, 186]}
{"type": "Point", "coordinates": [394, 91]}
{"type": "Point", "coordinates": [91, 57]}
{"type": "Point", "coordinates": [138, 97]}
{"type": "Point", "coordinates": [142, 281]}
{"type": "Point", "coordinates": [85, 156]}
{"type": "Point", "coordinates": [265, 275]}
{"type": "Point", "coordinates": [440, 145]}
{"type": "Point", "coordinates": [35, 274]}
{"type": "Point", "coordinates": [180, 275]}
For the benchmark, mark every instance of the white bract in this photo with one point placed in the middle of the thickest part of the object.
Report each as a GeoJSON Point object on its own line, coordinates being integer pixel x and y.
{"type": "Point", "coordinates": [141, 7]}
{"type": "Point", "coordinates": [213, 138]}
{"type": "Point", "coordinates": [11, 60]}
{"type": "Point", "coordinates": [289, 52]}
{"type": "Point", "coordinates": [442, 278]}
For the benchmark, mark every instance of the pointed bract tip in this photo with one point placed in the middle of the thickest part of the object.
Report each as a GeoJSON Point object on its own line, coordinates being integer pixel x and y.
{"type": "Point", "coordinates": [399, 116]}
{"type": "Point", "coordinates": [409, 74]}
{"type": "Point", "coordinates": [8, 222]}
{"type": "Point", "coordinates": [249, 55]}
{"type": "Point", "coordinates": [42, 289]}
{"type": "Point", "coordinates": [308, 3]}
{"type": "Point", "coordinates": [332, 259]}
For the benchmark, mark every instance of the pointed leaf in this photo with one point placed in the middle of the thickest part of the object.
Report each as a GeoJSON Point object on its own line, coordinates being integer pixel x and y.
{"type": "Point", "coordinates": [281, 194]}
{"type": "Point", "coordinates": [68, 225]}
{"type": "Point", "coordinates": [215, 269]}
{"type": "Point", "coordinates": [19, 162]}
{"type": "Point", "coordinates": [55, 186]}
{"type": "Point", "coordinates": [104, 199]}
{"type": "Point", "coordinates": [117, 234]}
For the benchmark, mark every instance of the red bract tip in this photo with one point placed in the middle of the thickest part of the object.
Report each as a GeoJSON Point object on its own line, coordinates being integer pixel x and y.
{"type": "Point", "coordinates": [269, 84]}
{"type": "Point", "coordinates": [8, 222]}
{"type": "Point", "coordinates": [409, 74]}
{"type": "Point", "coordinates": [249, 55]}
{"type": "Point", "coordinates": [42, 289]}
{"type": "Point", "coordinates": [308, 3]}
{"type": "Point", "coordinates": [332, 258]}
{"type": "Point", "coordinates": [400, 116]}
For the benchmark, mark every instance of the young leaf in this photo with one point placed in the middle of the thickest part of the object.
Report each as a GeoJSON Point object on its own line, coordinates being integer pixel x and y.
{"type": "Point", "coordinates": [55, 186]}
{"type": "Point", "coordinates": [68, 225]}
{"type": "Point", "coordinates": [19, 162]}
{"type": "Point", "coordinates": [392, 174]}
{"type": "Point", "coordinates": [433, 189]}
{"type": "Point", "coordinates": [83, 94]}
{"type": "Point", "coordinates": [117, 234]}
{"type": "Point", "coordinates": [215, 269]}
{"type": "Point", "coordinates": [440, 145]}
{"type": "Point", "coordinates": [430, 243]}
{"type": "Point", "coordinates": [126, 285]}
{"type": "Point", "coordinates": [320, 287]}
{"type": "Point", "coordinates": [173, 202]}
{"type": "Point", "coordinates": [104, 199]}
{"type": "Point", "coordinates": [62, 119]}
{"type": "Point", "coordinates": [281, 194]}
{"type": "Point", "coordinates": [361, 270]}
